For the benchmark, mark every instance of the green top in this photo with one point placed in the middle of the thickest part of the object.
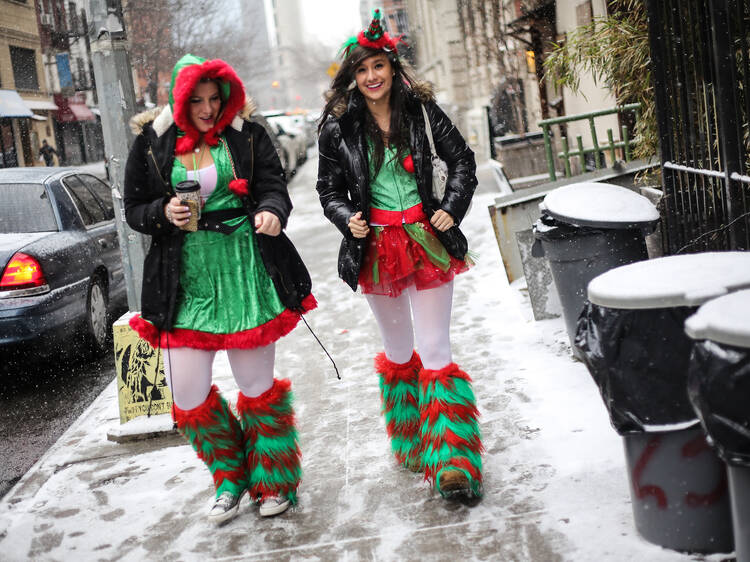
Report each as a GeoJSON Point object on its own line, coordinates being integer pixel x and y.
{"type": "Point", "coordinates": [393, 189]}
{"type": "Point", "coordinates": [224, 286]}
{"type": "Point", "coordinates": [219, 198]}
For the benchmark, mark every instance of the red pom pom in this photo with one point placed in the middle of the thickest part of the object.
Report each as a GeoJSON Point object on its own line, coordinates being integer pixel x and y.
{"type": "Point", "coordinates": [408, 164]}
{"type": "Point", "coordinates": [185, 144]}
{"type": "Point", "coordinates": [239, 187]}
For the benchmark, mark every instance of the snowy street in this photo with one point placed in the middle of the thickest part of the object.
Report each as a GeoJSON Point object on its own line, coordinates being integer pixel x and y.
{"type": "Point", "coordinates": [555, 484]}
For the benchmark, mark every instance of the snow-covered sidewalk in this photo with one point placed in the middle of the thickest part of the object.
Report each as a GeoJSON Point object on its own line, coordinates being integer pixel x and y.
{"type": "Point", "coordinates": [555, 481]}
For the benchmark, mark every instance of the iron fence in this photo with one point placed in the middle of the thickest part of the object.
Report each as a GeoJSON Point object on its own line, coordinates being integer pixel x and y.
{"type": "Point", "coordinates": [701, 68]}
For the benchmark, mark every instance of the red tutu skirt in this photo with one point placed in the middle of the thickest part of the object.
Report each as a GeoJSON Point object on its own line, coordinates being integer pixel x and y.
{"type": "Point", "coordinates": [396, 259]}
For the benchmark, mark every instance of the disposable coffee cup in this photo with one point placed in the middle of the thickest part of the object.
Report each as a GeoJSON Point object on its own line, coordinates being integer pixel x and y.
{"type": "Point", "coordinates": [189, 192]}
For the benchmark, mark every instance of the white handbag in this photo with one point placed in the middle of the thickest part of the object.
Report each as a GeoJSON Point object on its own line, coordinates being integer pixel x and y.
{"type": "Point", "coordinates": [439, 167]}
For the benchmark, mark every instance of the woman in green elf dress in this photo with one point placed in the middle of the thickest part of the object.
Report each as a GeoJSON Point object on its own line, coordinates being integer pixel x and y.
{"type": "Point", "coordinates": [236, 283]}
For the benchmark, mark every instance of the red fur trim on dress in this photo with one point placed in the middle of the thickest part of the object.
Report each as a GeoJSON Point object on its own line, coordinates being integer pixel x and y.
{"type": "Point", "coordinates": [185, 83]}
{"type": "Point", "coordinates": [247, 339]}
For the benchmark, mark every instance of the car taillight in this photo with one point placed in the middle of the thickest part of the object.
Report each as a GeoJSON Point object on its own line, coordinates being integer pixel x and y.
{"type": "Point", "coordinates": [22, 272]}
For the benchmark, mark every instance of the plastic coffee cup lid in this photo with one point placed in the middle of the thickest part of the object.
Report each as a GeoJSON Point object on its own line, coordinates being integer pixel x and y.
{"type": "Point", "coordinates": [599, 205]}
{"type": "Point", "coordinates": [723, 320]}
{"type": "Point", "coordinates": [684, 280]}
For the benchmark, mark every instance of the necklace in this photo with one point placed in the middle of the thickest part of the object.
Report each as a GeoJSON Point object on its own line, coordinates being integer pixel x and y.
{"type": "Point", "coordinates": [197, 163]}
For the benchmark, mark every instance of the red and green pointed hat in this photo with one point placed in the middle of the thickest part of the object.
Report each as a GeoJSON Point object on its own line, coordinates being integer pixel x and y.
{"type": "Point", "coordinates": [374, 37]}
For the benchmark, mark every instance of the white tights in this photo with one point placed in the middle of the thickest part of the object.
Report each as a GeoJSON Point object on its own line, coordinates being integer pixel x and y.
{"type": "Point", "coordinates": [431, 311]}
{"type": "Point", "coordinates": [188, 372]}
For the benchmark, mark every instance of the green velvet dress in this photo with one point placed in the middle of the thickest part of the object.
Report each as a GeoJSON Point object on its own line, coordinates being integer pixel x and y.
{"type": "Point", "coordinates": [225, 289]}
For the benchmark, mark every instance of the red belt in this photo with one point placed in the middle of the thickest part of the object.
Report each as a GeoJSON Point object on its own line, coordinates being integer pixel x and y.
{"type": "Point", "coordinates": [395, 218]}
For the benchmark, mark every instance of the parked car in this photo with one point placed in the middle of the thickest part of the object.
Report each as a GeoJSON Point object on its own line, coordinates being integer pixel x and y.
{"type": "Point", "coordinates": [61, 273]}
{"type": "Point", "coordinates": [286, 153]}
{"type": "Point", "coordinates": [289, 133]}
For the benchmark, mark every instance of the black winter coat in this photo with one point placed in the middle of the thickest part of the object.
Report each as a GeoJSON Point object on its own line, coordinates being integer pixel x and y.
{"type": "Point", "coordinates": [343, 175]}
{"type": "Point", "coordinates": [148, 188]}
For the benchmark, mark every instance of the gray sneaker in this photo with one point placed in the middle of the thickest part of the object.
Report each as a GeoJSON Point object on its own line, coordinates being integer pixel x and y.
{"type": "Point", "coordinates": [226, 506]}
{"type": "Point", "coordinates": [273, 506]}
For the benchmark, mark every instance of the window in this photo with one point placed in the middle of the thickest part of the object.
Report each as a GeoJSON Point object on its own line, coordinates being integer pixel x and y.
{"type": "Point", "coordinates": [90, 209]}
{"type": "Point", "coordinates": [103, 194]}
{"type": "Point", "coordinates": [24, 68]}
{"type": "Point", "coordinates": [63, 70]}
{"type": "Point", "coordinates": [82, 80]}
{"type": "Point", "coordinates": [26, 208]}
{"type": "Point", "coordinates": [73, 21]}
{"type": "Point", "coordinates": [402, 21]}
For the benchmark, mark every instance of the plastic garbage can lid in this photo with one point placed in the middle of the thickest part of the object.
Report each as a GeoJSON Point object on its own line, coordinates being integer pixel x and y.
{"type": "Point", "coordinates": [684, 280]}
{"type": "Point", "coordinates": [723, 320]}
{"type": "Point", "coordinates": [600, 205]}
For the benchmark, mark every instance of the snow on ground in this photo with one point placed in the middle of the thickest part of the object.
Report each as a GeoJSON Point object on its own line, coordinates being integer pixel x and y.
{"type": "Point", "coordinates": [555, 481]}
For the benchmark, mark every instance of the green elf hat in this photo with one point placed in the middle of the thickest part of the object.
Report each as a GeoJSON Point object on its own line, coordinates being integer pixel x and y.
{"type": "Point", "coordinates": [373, 37]}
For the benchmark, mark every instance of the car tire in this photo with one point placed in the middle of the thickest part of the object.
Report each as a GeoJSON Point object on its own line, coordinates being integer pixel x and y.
{"type": "Point", "coordinates": [97, 325]}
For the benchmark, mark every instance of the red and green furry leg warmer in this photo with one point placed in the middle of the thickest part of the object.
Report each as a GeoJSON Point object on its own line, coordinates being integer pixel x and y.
{"type": "Point", "coordinates": [272, 453]}
{"type": "Point", "coordinates": [216, 436]}
{"type": "Point", "coordinates": [449, 430]}
{"type": "Point", "coordinates": [399, 393]}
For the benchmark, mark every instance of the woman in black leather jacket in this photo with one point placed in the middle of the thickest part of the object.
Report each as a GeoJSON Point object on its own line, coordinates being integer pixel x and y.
{"type": "Point", "coordinates": [402, 246]}
{"type": "Point", "coordinates": [236, 283]}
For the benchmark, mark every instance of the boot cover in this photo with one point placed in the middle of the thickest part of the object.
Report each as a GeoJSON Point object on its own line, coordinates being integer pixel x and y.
{"type": "Point", "coordinates": [271, 450]}
{"type": "Point", "coordinates": [216, 436]}
{"type": "Point", "coordinates": [449, 430]}
{"type": "Point", "coordinates": [399, 394]}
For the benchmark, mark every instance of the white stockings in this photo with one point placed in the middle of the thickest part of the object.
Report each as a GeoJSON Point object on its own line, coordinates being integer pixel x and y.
{"type": "Point", "coordinates": [188, 372]}
{"type": "Point", "coordinates": [431, 313]}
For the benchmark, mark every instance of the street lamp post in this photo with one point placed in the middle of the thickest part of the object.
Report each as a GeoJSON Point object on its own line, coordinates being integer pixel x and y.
{"type": "Point", "coordinates": [114, 85]}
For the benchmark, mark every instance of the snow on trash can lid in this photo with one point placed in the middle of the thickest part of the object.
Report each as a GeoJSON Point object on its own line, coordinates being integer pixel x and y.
{"type": "Point", "coordinates": [683, 280]}
{"type": "Point", "coordinates": [599, 205]}
{"type": "Point", "coordinates": [723, 320]}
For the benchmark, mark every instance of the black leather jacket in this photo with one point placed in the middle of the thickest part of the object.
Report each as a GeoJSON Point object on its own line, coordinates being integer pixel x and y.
{"type": "Point", "coordinates": [148, 188]}
{"type": "Point", "coordinates": [343, 175]}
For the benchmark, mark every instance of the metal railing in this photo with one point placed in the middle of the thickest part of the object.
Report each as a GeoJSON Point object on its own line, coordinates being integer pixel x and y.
{"type": "Point", "coordinates": [624, 144]}
{"type": "Point", "coordinates": [700, 50]}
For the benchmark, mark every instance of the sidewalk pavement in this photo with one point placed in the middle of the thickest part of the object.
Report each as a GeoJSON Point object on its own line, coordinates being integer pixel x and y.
{"type": "Point", "coordinates": [555, 483]}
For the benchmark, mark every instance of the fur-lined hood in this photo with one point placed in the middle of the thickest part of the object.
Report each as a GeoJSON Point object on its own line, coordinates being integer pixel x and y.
{"type": "Point", "coordinates": [161, 118]}
{"type": "Point", "coordinates": [188, 72]}
{"type": "Point", "coordinates": [422, 90]}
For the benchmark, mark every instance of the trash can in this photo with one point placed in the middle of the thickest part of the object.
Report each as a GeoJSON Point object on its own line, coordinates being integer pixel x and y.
{"type": "Point", "coordinates": [719, 389]}
{"type": "Point", "coordinates": [632, 338]}
{"type": "Point", "coordinates": [587, 229]}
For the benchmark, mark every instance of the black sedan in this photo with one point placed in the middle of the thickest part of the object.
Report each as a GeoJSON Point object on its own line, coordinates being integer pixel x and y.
{"type": "Point", "coordinates": [61, 273]}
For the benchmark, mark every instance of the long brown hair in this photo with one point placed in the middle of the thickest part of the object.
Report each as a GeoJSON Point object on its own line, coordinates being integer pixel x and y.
{"type": "Point", "coordinates": [342, 89]}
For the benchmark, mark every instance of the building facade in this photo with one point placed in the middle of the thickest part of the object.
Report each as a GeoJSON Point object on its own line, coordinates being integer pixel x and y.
{"type": "Point", "coordinates": [44, 60]}
{"type": "Point", "coordinates": [22, 76]}
{"type": "Point", "coordinates": [488, 55]}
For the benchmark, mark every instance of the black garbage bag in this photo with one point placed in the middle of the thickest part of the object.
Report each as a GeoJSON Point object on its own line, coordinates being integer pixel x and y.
{"type": "Point", "coordinates": [719, 390]}
{"type": "Point", "coordinates": [550, 229]}
{"type": "Point", "coordinates": [639, 360]}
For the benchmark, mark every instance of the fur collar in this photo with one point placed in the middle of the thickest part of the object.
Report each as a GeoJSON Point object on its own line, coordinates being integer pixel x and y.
{"type": "Point", "coordinates": [161, 118]}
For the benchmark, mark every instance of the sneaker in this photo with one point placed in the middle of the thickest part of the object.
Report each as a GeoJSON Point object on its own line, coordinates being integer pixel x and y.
{"type": "Point", "coordinates": [273, 506]}
{"type": "Point", "coordinates": [226, 506]}
{"type": "Point", "coordinates": [453, 483]}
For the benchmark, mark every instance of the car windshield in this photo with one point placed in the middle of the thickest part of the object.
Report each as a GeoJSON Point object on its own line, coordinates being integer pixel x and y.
{"type": "Point", "coordinates": [26, 208]}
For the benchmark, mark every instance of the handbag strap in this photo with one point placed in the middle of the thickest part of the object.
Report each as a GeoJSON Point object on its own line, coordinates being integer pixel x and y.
{"type": "Point", "coordinates": [428, 130]}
